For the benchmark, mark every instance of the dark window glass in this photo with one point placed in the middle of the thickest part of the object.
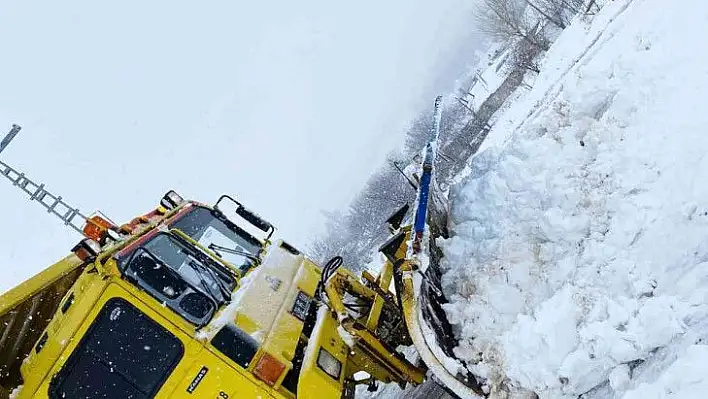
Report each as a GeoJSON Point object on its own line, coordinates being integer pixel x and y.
{"type": "Point", "coordinates": [201, 225]}
{"type": "Point", "coordinates": [236, 344]}
{"type": "Point", "coordinates": [173, 273]}
{"type": "Point", "coordinates": [196, 305]}
{"type": "Point", "coordinates": [179, 259]}
{"type": "Point", "coordinates": [160, 278]}
{"type": "Point", "coordinates": [125, 354]}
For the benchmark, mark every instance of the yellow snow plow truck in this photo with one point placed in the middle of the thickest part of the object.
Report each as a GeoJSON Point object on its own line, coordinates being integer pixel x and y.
{"type": "Point", "coordinates": [194, 300]}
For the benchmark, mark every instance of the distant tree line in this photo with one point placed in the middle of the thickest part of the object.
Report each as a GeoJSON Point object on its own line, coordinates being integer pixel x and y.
{"type": "Point", "coordinates": [528, 26]}
{"type": "Point", "coordinates": [526, 29]}
{"type": "Point", "coordinates": [353, 233]}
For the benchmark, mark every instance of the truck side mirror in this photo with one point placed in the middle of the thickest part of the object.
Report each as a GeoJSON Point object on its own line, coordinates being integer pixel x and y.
{"type": "Point", "coordinates": [171, 200]}
{"type": "Point", "coordinates": [246, 214]}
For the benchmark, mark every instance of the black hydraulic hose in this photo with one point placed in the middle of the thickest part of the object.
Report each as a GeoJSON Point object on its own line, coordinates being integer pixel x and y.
{"type": "Point", "coordinates": [328, 271]}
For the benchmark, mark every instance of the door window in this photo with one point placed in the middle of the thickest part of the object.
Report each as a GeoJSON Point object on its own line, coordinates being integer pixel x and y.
{"type": "Point", "coordinates": [124, 354]}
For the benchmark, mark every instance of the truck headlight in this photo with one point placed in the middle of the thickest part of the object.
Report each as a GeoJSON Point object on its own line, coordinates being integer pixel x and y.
{"type": "Point", "coordinates": [329, 364]}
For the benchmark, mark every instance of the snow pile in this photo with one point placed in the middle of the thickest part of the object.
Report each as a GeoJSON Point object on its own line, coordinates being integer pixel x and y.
{"type": "Point", "coordinates": [581, 238]}
{"type": "Point", "coordinates": [15, 392]}
{"type": "Point", "coordinates": [686, 378]}
{"type": "Point", "coordinates": [568, 50]}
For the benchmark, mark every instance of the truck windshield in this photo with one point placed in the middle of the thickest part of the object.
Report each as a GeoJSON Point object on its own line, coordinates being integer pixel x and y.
{"type": "Point", "coordinates": [210, 279]}
{"type": "Point", "coordinates": [179, 276]}
{"type": "Point", "coordinates": [224, 238]}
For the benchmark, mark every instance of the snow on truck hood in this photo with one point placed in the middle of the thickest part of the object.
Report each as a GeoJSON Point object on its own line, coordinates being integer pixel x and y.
{"type": "Point", "coordinates": [278, 266]}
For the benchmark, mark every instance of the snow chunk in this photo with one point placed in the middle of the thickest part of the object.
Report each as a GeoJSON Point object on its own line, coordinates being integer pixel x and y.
{"type": "Point", "coordinates": [15, 393]}
{"type": "Point", "coordinates": [619, 377]}
{"type": "Point", "coordinates": [685, 378]}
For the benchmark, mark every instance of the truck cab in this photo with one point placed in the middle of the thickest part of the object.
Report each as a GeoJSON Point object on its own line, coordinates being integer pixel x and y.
{"type": "Point", "coordinates": [192, 303]}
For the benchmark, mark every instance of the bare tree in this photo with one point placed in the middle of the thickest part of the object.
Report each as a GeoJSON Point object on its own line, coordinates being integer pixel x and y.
{"type": "Point", "coordinates": [592, 4]}
{"type": "Point", "coordinates": [524, 57]}
{"type": "Point", "coordinates": [559, 12]}
{"type": "Point", "coordinates": [417, 135]}
{"type": "Point", "coordinates": [354, 233]}
{"type": "Point", "coordinates": [333, 240]}
{"type": "Point", "coordinates": [507, 20]}
{"type": "Point", "coordinates": [551, 17]}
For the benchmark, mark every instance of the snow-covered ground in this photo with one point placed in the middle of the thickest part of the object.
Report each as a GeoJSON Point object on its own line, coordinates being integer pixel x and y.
{"type": "Point", "coordinates": [480, 81]}
{"type": "Point", "coordinates": [579, 261]}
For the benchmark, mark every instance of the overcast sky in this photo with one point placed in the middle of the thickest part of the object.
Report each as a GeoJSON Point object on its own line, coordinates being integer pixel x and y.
{"type": "Point", "coordinates": [287, 105]}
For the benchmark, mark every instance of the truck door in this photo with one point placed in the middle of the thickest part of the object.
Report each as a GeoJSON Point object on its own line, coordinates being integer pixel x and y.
{"type": "Point", "coordinates": [124, 354]}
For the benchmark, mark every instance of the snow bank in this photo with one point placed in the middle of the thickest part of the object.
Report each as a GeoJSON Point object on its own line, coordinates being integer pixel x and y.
{"type": "Point", "coordinates": [567, 52]}
{"type": "Point", "coordinates": [580, 234]}
{"type": "Point", "coordinates": [485, 78]}
{"type": "Point", "coordinates": [686, 378]}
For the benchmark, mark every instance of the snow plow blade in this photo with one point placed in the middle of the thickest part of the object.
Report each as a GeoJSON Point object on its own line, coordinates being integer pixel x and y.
{"type": "Point", "coordinates": [421, 333]}
{"type": "Point", "coordinates": [420, 301]}
{"type": "Point", "coordinates": [417, 275]}
{"type": "Point", "coordinates": [25, 312]}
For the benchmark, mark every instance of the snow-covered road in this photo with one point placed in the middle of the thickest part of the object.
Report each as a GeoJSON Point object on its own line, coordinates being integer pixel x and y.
{"type": "Point", "coordinates": [579, 261]}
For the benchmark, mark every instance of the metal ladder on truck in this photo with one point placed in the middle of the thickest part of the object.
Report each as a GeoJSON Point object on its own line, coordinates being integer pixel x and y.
{"type": "Point", "coordinates": [54, 204]}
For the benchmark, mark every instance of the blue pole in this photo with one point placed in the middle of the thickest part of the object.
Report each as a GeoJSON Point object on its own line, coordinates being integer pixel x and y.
{"type": "Point", "coordinates": [424, 188]}
{"type": "Point", "coordinates": [424, 191]}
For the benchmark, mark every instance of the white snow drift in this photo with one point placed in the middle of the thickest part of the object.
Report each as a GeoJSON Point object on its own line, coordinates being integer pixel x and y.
{"type": "Point", "coordinates": [579, 260]}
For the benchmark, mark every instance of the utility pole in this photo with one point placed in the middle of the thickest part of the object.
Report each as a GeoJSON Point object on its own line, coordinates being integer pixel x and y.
{"type": "Point", "coordinates": [13, 132]}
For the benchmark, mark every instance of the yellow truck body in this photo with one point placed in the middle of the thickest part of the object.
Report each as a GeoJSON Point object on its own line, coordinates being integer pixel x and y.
{"type": "Point", "coordinates": [172, 311]}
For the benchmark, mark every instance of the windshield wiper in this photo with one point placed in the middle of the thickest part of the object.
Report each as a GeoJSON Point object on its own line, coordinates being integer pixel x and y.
{"type": "Point", "coordinates": [199, 268]}
{"type": "Point", "coordinates": [222, 275]}
{"type": "Point", "coordinates": [217, 248]}
{"type": "Point", "coordinates": [161, 263]}
{"type": "Point", "coordinates": [224, 289]}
